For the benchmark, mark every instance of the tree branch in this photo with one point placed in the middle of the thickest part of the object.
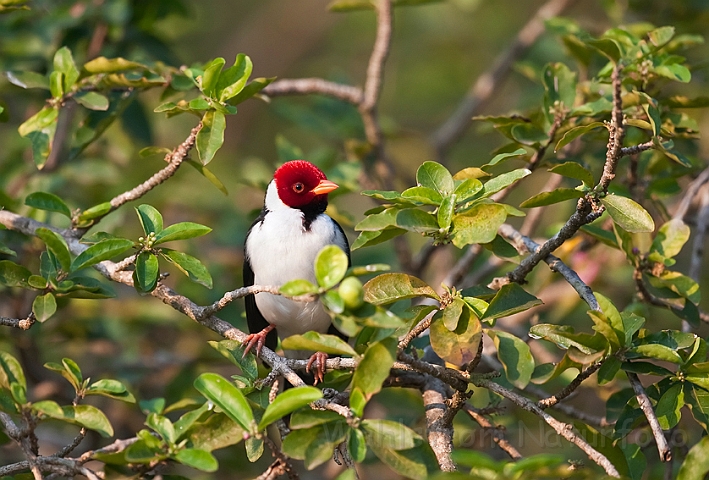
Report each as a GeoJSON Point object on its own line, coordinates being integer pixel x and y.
{"type": "Point", "coordinates": [563, 429]}
{"type": "Point", "coordinates": [525, 244]}
{"type": "Point", "coordinates": [571, 387]}
{"type": "Point", "coordinates": [21, 323]}
{"type": "Point", "coordinates": [497, 436]}
{"type": "Point", "coordinates": [319, 86]}
{"type": "Point", "coordinates": [662, 448]}
{"type": "Point", "coordinates": [617, 131]}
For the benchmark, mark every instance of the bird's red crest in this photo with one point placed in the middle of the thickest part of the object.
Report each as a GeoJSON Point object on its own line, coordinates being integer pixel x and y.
{"type": "Point", "coordinates": [296, 180]}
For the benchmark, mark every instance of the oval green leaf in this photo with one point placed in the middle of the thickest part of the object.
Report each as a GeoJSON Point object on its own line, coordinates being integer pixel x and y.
{"type": "Point", "coordinates": [628, 214]}
{"type": "Point", "coordinates": [515, 356]}
{"type": "Point", "coordinates": [100, 251]}
{"type": "Point", "coordinates": [44, 306]}
{"type": "Point", "coordinates": [150, 219]}
{"type": "Point", "coordinates": [435, 176]}
{"type": "Point", "coordinates": [390, 287]}
{"type": "Point", "coordinates": [181, 231]}
{"type": "Point", "coordinates": [330, 266]}
{"type": "Point", "coordinates": [227, 397]}
{"type": "Point", "coordinates": [47, 201]}
{"type": "Point", "coordinates": [211, 137]}
{"type": "Point", "coordinates": [288, 402]}
{"type": "Point", "coordinates": [57, 245]}
{"type": "Point", "coordinates": [147, 270]}
{"type": "Point", "coordinates": [199, 459]}
{"type": "Point", "coordinates": [190, 266]}
{"type": "Point", "coordinates": [319, 342]}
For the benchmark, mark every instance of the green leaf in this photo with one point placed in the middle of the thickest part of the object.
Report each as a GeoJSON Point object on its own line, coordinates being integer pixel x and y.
{"type": "Point", "coordinates": [319, 342]}
{"type": "Point", "coordinates": [660, 36]}
{"type": "Point", "coordinates": [356, 445]}
{"type": "Point", "coordinates": [425, 195]}
{"type": "Point", "coordinates": [252, 89]}
{"type": "Point", "coordinates": [150, 219]}
{"type": "Point", "coordinates": [111, 65]}
{"type": "Point", "coordinates": [670, 238]}
{"type": "Point", "coordinates": [92, 100]}
{"type": "Point", "coordinates": [608, 370]}
{"type": "Point", "coordinates": [504, 180]}
{"type": "Point", "coordinates": [146, 273]}
{"type": "Point", "coordinates": [574, 133]}
{"type": "Point", "coordinates": [298, 287]}
{"type": "Point", "coordinates": [696, 463]}
{"type": "Point", "coordinates": [199, 459]}
{"type": "Point", "coordinates": [478, 225]}
{"type": "Point", "coordinates": [11, 371]}
{"type": "Point", "coordinates": [88, 416]}
{"type": "Point", "coordinates": [211, 75]}
{"type": "Point", "coordinates": [564, 337]}
{"type": "Point", "coordinates": [416, 463]}
{"type": "Point", "coordinates": [49, 408]}
{"type": "Point", "coordinates": [560, 87]}
{"type": "Point", "coordinates": [206, 173]}
{"type": "Point", "coordinates": [378, 221]}
{"type": "Point", "coordinates": [376, 237]}
{"type": "Point", "coordinates": [13, 275]}
{"type": "Point", "coordinates": [38, 282]}
{"type": "Point", "coordinates": [698, 402]}
{"type": "Point", "coordinates": [234, 352]}
{"type": "Point", "coordinates": [515, 356]}
{"type": "Point", "coordinates": [504, 156]}
{"type": "Point", "coordinates": [452, 312]}
{"type": "Point", "coordinates": [656, 351]}
{"type": "Point", "coordinates": [99, 252]}
{"type": "Point", "coordinates": [94, 212]}
{"type": "Point", "coordinates": [189, 265]}
{"type": "Point", "coordinates": [44, 306]}
{"type": "Point", "coordinates": [57, 245]}
{"type": "Point", "coordinates": [227, 397]}
{"type": "Point", "coordinates": [287, 402]}
{"type": "Point", "coordinates": [390, 434]}
{"type": "Point", "coordinates": [28, 79]}
{"type": "Point", "coordinates": [458, 346]}
{"type": "Point", "coordinates": [181, 231]}
{"type": "Point", "coordinates": [435, 176]}
{"type": "Point", "coordinates": [510, 299]}
{"type": "Point", "coordinates": [233, 80]}
{"type": "Point", "coordinates": [445, 211]}
{"type": "Point", "coordinates": [112, 389]}
{"type": "Point", "coordinates": [371, 372]}
{"type": "Point", "coordinates": [549, 198]}
{"type": "Point", "coordinates": [391, 287]}
{"type": "Point", "coordinates": [49, 202]}
{"type": "Point", "coordinates": [211, 137]}
{"type": "Point", "coordinates": [415, 220]}
{"type": "Point", "coordinates": [627, 213]}
{"type": "Point", "coordinates": [669, 405]}
{"type": "Point", "coordinates": [64, 63]}
{"type": "Point", "coordinates": [163, 426]}
{"type": "Point", "coordinates": [574, 170]}
{"type": "Point", "coordinates": [330, 266]}
{"type": "Point", "coordinates": [674, 71]}
{"type": "Point", "coordinates": [467, 189]}
{"type": "Point", "coordinates": [653, 114]}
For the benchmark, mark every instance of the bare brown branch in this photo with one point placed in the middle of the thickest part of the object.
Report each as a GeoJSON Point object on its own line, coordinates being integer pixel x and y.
{"type": "Point", "coordinates": [617, 131]}
{"type": "Point", "coordinates": [563, 429]}
{"type": "Point", "coordinates": [318, 86]}
{"type": "Point", "coordinates": [662, 447]}
{"type": "Point", "coordinates": [497, 435]}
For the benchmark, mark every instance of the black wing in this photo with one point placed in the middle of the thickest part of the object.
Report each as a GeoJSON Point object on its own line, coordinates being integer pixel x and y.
{"type": "Point", "coordinates": [254, 318]}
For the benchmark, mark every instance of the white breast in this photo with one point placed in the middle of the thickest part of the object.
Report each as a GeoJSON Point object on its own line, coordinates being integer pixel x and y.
{"type": "Point", "coordinates": [280, 249]}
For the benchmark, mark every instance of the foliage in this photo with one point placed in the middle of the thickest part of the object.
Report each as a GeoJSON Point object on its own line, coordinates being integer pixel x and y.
{"type": "Point", "coordinates": [612, 131]}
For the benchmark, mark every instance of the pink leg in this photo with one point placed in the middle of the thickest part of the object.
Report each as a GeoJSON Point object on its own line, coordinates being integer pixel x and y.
{"type": "Point", "coordinates": [318, 358]}
{"type": "Point", "coordinates": [256, 339]}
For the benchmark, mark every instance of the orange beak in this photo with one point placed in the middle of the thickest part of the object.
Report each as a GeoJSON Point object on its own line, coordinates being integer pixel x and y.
{"type": "Point", "coordinates": [325, 186]}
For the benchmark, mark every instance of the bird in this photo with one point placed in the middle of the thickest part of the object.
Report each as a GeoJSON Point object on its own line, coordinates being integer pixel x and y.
{"type": "Point", "coordinates": [281, 245]}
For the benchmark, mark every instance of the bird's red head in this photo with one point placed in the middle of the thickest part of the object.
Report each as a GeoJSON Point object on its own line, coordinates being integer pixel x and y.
{"type": "Point", "coordinates": [300, 183]}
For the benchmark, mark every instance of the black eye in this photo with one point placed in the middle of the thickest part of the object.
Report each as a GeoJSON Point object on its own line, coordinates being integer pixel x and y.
{"type": "Point", "coordinates": [298, 187]}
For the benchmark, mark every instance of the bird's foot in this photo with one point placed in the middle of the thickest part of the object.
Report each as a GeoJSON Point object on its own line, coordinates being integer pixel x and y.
{"type": "Point", "coordinates": [318, 360]}
{"type": "Point", "coordinates": [256, 340]}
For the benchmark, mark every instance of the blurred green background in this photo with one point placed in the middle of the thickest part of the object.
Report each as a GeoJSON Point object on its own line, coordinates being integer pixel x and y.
{"type": "Point", "coordinates": [438, 51]}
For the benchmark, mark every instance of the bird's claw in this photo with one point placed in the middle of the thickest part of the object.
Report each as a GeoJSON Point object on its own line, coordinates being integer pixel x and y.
{"type": "Point", "coordinates": [317, 359]}
{"type": "Point", "coordinates": [257, 340]}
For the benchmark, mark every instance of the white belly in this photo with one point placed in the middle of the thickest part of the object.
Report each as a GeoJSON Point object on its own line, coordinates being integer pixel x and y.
{"type": "Point", "coordinates": [279, 251]}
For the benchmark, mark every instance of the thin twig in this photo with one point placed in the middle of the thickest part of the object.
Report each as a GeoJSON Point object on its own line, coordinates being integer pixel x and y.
{"type": "Point", "coordinates": [497, 436]}
{"type": "Point", "coordinates": [617, 131]}
{"type": "Point", "coordinates": [308, 86]}
{"type": "Point", "coordinates": [662, 448]}
{"type": "Point", "coordinates": [635, 149]}
{"type": "Point", "coordinates": [563, 429]}
{"type": "Point", "coordinates": [690, 193]}
{"type": "Point", "coordinates": [416, 331]}
{"type": "Point", "coordinates": [522, 243]}
{"type": "Point", "coordinates": [21, 323]}
{"type": "Point", "coordinates": [571, 387]}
